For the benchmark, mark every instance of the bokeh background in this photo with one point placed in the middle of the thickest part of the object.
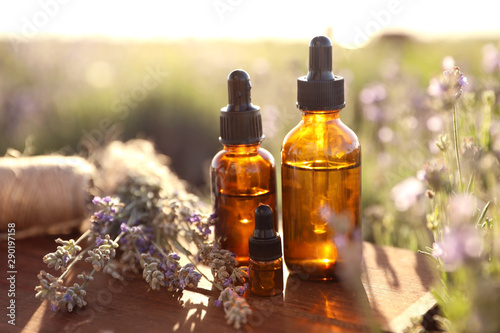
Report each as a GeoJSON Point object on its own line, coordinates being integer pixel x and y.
{"type": "Point", "coordinates": [76, 75]}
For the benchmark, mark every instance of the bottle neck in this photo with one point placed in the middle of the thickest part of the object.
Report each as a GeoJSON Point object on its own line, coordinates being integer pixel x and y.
{"type": "Point", "coordinates": [313, 116]}
{"type": "Point", "coordinates": [242, 149]}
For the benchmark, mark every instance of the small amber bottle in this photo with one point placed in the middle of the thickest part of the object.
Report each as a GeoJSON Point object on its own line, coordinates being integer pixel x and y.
{"type": "Point", "coordinates": [265, 269]}
{"type": "Point", "coordinates": [243, 175]}
{"type": "Point", "coordinates": [321, 175]}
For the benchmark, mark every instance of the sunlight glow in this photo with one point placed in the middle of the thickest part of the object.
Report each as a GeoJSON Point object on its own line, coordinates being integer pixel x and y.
{"type": "Point", "coordinates": [351, 24]}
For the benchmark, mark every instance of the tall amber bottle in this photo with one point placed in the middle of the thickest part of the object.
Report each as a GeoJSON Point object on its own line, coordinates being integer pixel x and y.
{"type": "Point", "coordinates": [321, 175]}
{"type": "Point", "coordinates": [243, 174]}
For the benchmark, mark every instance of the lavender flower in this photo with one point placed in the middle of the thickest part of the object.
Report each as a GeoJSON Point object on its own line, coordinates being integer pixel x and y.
{"type": "Point", "coordinates": [194, 218]}
{"type": "Point", "coordinates": [48, 288]}
{"type": "Point", "coordinates": [85, 277]}
{"type": "Point", "coordinates": [102, 220]}
{"type": "Point", "coordinates": [462, 80]}
{"type": "Point", "coordinates": [124, 227]}
{"type": "Point", "coordinates": [436, 88]}
{"type": "Point", "coordinates": [461, 209]}
{"type": "Point", "coordinates": [457, 245]}
{"type": "Point", "coordinates": [188, 277]}
{"type": "Point", "coordinates": [491, 58]}
{"type": "Point", "coordinates": [406, 193]}
{"type": "Point", "coordinates": [235, 307]}
{"type": "Point", "coordinates": [96, 258]}
{"type": "Point", "coordinates": [74, 296]}
{"type": "Point", "coordinates": [69, 246]}
{"type": "Point", "coordinates": [156, 218]}
{"type": "Point", "coordinates": [223, 265]}
{"type": "Point", "coordinates": [57, 260]}
{"type": "Point", "coordinates": [372, 98]}
{"type": "Point", "coordinates": [446, 90]}
{"type": "Point", "coordinates": [436, 175]}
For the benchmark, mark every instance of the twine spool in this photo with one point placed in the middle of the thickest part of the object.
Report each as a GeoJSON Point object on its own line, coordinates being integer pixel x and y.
{"type": "Point", "coordinates": [43, 192]}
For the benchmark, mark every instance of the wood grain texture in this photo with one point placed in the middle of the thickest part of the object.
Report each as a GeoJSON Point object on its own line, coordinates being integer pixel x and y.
{"type": "Point", "coordinates": [394, 287]}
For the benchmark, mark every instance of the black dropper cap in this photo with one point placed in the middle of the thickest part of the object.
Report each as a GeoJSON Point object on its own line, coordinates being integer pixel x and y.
{"type": "Point", "coordinates": [264, 244]}
{"type": "Point", "coordinates": [240, 120]}
{"type": "Point", "coordinates": [320, 89]}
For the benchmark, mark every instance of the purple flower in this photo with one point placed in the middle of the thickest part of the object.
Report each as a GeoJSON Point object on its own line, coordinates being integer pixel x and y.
{"type": "Point", "coordinates": [53, 307]}
{"type": "Point", "coordinates": [174, 256]}
{"type": "Point", "coordinates": [436, 88]}
{"type": "Point", "coordinates": [455, 80]}
{"type": "Point", "coordinates": [227, 282]}
{"type": "Point", "coordinates": [407, 193]}
{"type": "Point", "coordinates": [218, 302]}
{"type": "Point", "coordinates": [194, 218]}
{"type": "Point", "coordinates": [491, 58]}
{"type": "Point", "coordinates": [96, 200]}
{"type": "Point", "coordinates": [68, 297]}
{"type": "Point", "coordinates": [240, 290]}
{"type": "Point", "coordinates": [373, 94]}
{"type": "Point", "coordinates": [457, 246]}
{"type": "Point", "coordinates": [204, 229]}
{"type": "Point", "coordinates": [100, 215]}
{"type": "Point", "coordinates": [123, 227]}
{"type": "Point", "coordinates": [462, 80]}
{"type": "Point", "coordinates": [106, 199]}
{"type": "Point", "coordinates": [98, 240]}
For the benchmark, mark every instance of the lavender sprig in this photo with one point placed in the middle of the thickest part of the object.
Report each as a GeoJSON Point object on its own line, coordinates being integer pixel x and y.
{"type": "Point", "coordinates": [235, 307]}
{"type": "Point", "coordinates": [153, 221]}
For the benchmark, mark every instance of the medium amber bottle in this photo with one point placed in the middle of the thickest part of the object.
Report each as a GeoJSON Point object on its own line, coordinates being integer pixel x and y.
{"type": "Point", "coordinates": [265, 269]}
{"type": "Point", "coordinates": [243, 174]}
{"type": "Point", "coordinates": [321, 175]}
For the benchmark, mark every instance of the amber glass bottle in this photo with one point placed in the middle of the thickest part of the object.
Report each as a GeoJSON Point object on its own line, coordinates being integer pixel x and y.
{"type": "Point", "coordinates": [243, 174]}
{"type": "Point", "coordinates": [321, 174]}
{"type": "Point", "coordinates": [266, 266]}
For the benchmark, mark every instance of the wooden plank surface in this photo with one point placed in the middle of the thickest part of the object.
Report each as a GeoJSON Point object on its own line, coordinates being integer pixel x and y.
{"type": "Point", "coordinates": [393, 288]}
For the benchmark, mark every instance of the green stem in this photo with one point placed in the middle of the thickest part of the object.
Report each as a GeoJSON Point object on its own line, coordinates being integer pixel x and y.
{"type": "Point", "coordinates": [117, 239]}
{"type": "Point", "coordinates": [84, 285]}
{"type": "Point", "coordinates": [198, 243]}
{"type": "Point", "coordinates": [457, 152]}
{"type": "Point", "coordinates": [83, 236]}
{"type": "Point", "coordinates": [75, 260]}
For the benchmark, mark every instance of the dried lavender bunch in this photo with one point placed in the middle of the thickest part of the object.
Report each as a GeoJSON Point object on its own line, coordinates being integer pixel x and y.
{"type": "Point", "coordinates": [151, 219]}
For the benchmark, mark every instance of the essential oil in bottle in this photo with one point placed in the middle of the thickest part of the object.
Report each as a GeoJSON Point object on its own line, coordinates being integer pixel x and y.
{"type": "Point", "coordinates": [243, 175]}
{"type": "Point", "coordinates": [265, 269]}
{"type": "Point", "coordinates": [321, 175]}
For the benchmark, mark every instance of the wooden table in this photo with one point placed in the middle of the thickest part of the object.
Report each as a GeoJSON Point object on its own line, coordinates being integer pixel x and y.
{"type": "Point", "coordinates": [394, 287]}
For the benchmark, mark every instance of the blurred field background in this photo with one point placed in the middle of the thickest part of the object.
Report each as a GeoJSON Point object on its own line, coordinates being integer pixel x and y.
{"type": "Point", "coordinates": [73, 96]}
